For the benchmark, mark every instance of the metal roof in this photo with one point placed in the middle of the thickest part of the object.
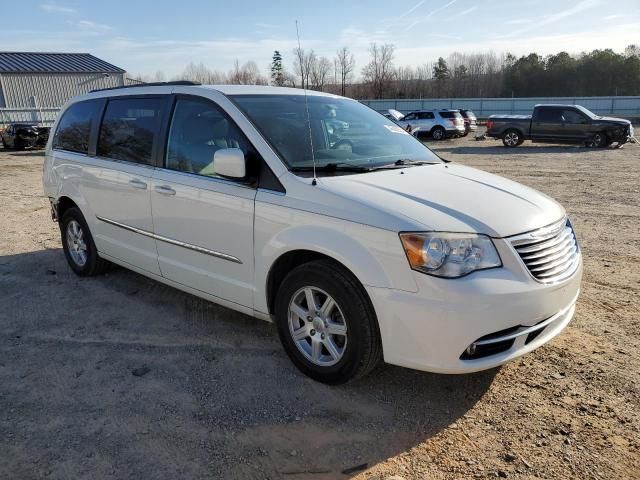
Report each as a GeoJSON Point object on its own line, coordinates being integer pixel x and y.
{"type": "Point", "coordinates": [35, 62]}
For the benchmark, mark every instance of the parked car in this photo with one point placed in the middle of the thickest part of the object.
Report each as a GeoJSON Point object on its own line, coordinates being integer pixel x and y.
{"type": "Point", "coordinates": [24, 135]}
{"type": "Point", "coordinates": [470, 121]}
{"type": "Point", "coordinates": [235, 194]}
{"type": "Point", "coordinates": [559, 124]}
{"type": "Point", "coordinates": [440, 124]}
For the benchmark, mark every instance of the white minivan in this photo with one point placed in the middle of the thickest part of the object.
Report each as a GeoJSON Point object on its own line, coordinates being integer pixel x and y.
{"type": "Point", "coordinates": [359, 243]}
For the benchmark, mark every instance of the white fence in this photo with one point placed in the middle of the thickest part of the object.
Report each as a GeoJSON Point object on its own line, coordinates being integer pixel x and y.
{"type": "Point", "coordinates": [42, 116]}
{"type": "Point", "coordinates": [626, 107]}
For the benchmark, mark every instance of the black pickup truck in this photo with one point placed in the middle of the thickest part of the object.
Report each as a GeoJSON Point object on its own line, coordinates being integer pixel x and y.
{"type": "Point", "coordinates": [559, 124]}
{"type": "Point", "coordinates": [24, 135]}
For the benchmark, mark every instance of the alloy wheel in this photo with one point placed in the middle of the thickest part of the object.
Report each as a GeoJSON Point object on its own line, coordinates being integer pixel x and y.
{"type": "Point", "coordinates": [511, 139]}
{"type": "Point", "coordinates": [317, 326]}
{"type": "Point", "coordinates": [76, 243]}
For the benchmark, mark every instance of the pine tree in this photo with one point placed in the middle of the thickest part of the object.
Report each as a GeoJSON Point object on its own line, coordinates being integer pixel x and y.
{"type": "Point", "coordinates": [277, 72]}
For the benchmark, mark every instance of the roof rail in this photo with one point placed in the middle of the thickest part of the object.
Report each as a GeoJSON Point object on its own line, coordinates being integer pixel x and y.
{"type": "Point", "coordinates": [152, 84]}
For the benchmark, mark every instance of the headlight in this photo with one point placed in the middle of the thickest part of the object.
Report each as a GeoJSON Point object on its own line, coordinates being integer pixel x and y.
{"type": "Point", "coordinates": [449, 255]}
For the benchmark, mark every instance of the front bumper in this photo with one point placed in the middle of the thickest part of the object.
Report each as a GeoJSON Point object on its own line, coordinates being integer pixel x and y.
{"type": "Point", "coordinates": [432, 329]}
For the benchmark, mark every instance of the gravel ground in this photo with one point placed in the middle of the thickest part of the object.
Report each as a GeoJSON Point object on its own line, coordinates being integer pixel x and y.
{"type": "Point", "coordinates": [122, 377]}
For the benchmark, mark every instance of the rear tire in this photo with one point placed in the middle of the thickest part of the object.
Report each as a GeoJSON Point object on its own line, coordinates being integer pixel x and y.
{"type": "Point", "coordinates": [511, 138]}
{"type": "Point", "coordinates": [78, 245]}
{"type": "Point", "coordinates": [438, 133]}
{"type": "Point", "coordinates": [330, 341]}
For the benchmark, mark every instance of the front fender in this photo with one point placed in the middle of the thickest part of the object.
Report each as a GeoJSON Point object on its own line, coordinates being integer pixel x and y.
{"type": "Point", "coordinates": [373, 255]}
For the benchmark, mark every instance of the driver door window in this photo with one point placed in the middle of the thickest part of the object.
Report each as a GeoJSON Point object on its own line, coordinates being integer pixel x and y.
{"type": "Point", "coordinates": [571, 116]}
{"type": "Point", "coordinates": [198, 130]}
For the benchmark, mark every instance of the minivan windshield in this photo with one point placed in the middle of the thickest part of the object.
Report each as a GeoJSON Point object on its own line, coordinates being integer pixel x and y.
{"type": "Point", "coordinates": [346, 135]}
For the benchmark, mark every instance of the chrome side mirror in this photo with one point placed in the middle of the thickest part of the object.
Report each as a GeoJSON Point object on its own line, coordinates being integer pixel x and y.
{"type": "Point", "coordinates": [230, 162]}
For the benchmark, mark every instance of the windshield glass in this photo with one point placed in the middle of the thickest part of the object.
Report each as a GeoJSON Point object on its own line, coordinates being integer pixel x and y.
{"type": "Point", "coordinates": [587, 112]}
{"type": "Point", "coordinates": [343, 132]}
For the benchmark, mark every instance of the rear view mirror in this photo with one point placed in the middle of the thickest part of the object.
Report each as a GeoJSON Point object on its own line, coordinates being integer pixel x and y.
{"type": "Point", "coordinates": [230, 162]}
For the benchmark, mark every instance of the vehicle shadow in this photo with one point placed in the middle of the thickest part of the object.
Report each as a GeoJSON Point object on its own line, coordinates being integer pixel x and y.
{"type": "Point", "coordinates": [124, 376]}
{"type": "Point", "coordinates": [23, 153]}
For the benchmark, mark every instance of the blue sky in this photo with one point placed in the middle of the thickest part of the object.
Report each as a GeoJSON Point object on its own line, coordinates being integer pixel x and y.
{"type": "Point", "coordinates": [144, 36]}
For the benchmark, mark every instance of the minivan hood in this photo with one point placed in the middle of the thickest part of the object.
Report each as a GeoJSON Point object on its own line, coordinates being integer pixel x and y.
{"type": "Point", "coordinates": [452, 198]}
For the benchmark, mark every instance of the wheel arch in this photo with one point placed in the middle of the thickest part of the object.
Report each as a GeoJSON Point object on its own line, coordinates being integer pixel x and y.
{"type": "Point", "coordinates": [509, 128]}
{"type": "Point", "coordinates": [63, 204]}
{"type": "Point", "coordinates": [292, 259]}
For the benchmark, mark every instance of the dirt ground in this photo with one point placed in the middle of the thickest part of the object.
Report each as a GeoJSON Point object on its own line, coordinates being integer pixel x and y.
{"type": "Point", "coordinates": [122, 377]}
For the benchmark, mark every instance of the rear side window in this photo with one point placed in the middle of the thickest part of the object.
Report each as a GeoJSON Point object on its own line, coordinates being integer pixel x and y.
{"type": "Point", "coordinates": [548, 115]}
{"type": "Point", "coordinates": [75, 125]}
{"type": "Point", "coordinates": [129, 128]}
{"type": "Point", "coordinates": [450, 115]}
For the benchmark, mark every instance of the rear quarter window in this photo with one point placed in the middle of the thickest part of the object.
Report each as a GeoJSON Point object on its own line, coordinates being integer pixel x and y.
{"type": "Point", "coordinates": [75, 126]}
{"type": "Point", "coordinates": [450, 114]}
{"type": "Point", "coordinates": [129, 129]}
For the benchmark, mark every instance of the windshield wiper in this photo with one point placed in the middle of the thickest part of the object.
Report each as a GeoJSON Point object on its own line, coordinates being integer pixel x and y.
{"type": "Point", "coordinates": [409, 163]}
{"type": "Point", "coordinates": [333, 167]}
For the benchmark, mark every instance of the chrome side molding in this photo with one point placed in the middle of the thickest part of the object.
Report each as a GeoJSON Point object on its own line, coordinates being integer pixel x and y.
{"type": "Point", "coordinates": [171, 241]}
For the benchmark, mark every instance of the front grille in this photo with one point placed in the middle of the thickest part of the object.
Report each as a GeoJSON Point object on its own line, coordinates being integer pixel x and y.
{"type": "Point", "coordinates": [551, 253]}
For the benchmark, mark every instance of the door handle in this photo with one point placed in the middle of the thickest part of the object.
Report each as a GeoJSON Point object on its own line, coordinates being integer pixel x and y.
{"type": "Point", "coordinates": [135, 183]}
{"type": "Point", "coordinates": [165, 190]}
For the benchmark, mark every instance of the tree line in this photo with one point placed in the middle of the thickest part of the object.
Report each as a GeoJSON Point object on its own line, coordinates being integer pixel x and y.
{"type": "Point", "coordinates": [460, 75]}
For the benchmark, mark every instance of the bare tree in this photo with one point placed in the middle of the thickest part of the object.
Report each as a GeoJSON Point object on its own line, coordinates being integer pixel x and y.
{"type": "Point", "coordinates": [345, 64]}
{"type": "Point", "coordinates": [247, 74]}
{"type": "Point", "coordinates": [379, 72]}
{"type": "Point", "coordinates": [303, 65]}
{"type": "Point", "coordinates": [320, 71]}
{"type": "Point", "coordinates": [201, 74]}
{"type": "Point", "coordinates": [159, 76]}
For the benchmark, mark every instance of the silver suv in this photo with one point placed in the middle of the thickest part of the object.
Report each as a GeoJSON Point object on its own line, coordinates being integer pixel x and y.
{"type": "Point", "coordinates": [440, 124]}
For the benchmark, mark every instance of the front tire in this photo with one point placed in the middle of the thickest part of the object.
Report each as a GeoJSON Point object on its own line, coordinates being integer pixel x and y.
{"type": "Point", "coordinates": [438, 133]}
{"type": "Point", "coordinates": [326, 323]}
{"type": "Point", "coordinates": [511, 138]}
{"type": "Point", "coordinates": [78, 245]}
{"type": "Point", "coordinates": [598, 140]}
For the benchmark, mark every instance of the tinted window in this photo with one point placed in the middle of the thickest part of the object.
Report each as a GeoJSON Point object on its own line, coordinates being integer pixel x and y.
{"type": "Point", "coordinates": [450, 115]}
{"type": "Point", "coordinates": [75, 125]}
{"type": "Point", "coordinates": [129, 128]}
{"type": "Point", "coordinates": [571, 116]}
{"type": "Point", "coordinates": [293, 125]}
{"type": "Point", "coordinates": [426, 115]}
{"type": "Point", "coordinates": [198, 130]}
{"type": "Point", "coordinates": [551, 115]}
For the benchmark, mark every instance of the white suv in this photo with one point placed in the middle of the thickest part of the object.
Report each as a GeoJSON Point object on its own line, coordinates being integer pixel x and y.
{"type": "Point", "coordinates": [359, 243]}
{"type": "Point", "coordinates": [440, 124]}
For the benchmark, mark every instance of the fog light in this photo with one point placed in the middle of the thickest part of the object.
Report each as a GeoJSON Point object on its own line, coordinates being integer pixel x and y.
{"type": "Point", "coordinates": [471, 349]}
